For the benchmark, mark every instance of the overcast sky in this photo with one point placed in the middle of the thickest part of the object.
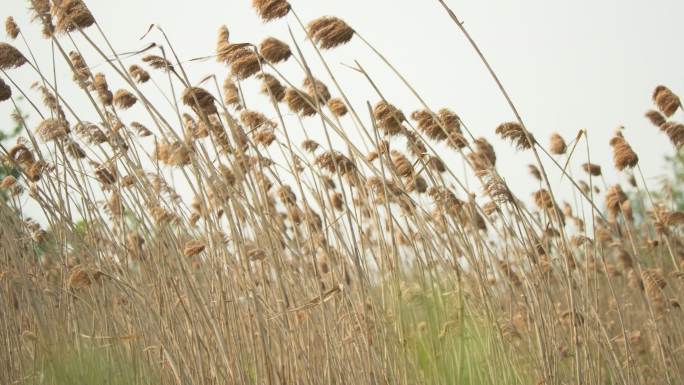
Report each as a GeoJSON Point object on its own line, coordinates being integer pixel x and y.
{"type": "Point", "coordinates": [567, 64]}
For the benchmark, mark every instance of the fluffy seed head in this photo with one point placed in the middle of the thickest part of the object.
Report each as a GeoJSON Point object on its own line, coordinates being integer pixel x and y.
{"type": "Point", "coordinates": [514, 132]}
{"type": "Point", "coordinates": [52, 129]}
{"type": "Point", "coordinates": [231, 94]}
{"type": "Point", "coordinates": [138, 74]}
{"type": "Point", "coordinates": [615, 197]}
{"type": "Point", "coordinates": [271, 86]}
{"type": "Point", "coordinates": [592, 169]}
{"type": "Point", "coordinates": [274, 50]}
{"type": "Point", "coordinates": [656, 118]}
{"type": "Point", "coordinates": [388, 118]}
{"type": "Point", "coordinates": [675, 131]}
{"type": "Point", "coordinates": [200, 100]}
{"type": "Point", "coordinates": [666, 100]}
{"type": "Point", "coordinates": [271, 9]}
{"type": "Point", "coordinates": [255, 120]}
{"type": "Point", "coordinates": [330, 32]}
{"type": "Point", "coordinates": [10, 57]}
{"type": "Point", "coordinates": [158, 62]}
{"type": "Point", "coordinates": [623, 155]}
{"type": "Point", "coordinates": [193, 247]}
{"type": "Point", "coordinates": [124, 99]}
{"type": "Point", "coordinates": [299, 102]}
{"type": "Point", "coordinates": [317, 90]}
{"type": "Point", "coordinates": [5, 91]}
{"type": "Point", "coordinates": [82, 74]}
{"type": "Point", "coordinates": [337, 107]}
{"type": "Point", "coordinates": [557, 146]}
{"type": "Point", "coordinates": [11, 28]}
{"type": "Point", "coordinates": [72, 15]}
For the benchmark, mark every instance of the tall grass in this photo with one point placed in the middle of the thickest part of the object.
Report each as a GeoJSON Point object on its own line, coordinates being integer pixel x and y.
{"type": "Point", "coordinates": [197, 242]}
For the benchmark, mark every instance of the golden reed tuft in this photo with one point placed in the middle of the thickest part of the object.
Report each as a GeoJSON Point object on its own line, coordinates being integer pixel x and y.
{"type": "Point", "coordinates": [271, 9]}
{"type": "Point", "coordinates": [330, 32]}
{"type": "Point", "coordinates": [231, 94]}
{"type": "Point", "coordinates": [138, 74]}
{"type": "Point", "coordinates": [52, 129]}
{"type": "Point", "coordinates": [592, 169]}
{"type": "Point", "coordinates": [337, 107]}
{"type": "Point", "coordinates": [11, 28]}
{"type": "Point", "coordinates": [82, 74]}
{"type": "Point", "coordinates": [623, 155]}
{"type": "Point", "coordinates": [515, 132]}
{"type": "Point", "coordinates": [557, 145]}
{"type": "Point", "coordinates": [5, 91]}
{"type": "Point", "coordinates": [388, 118]}
{"type": "Point", "coordinates": [271, 86]}
{"type": "Point", "coordinates": [71, 15]}
{"type": "Point", "coordinates": [10, 57]}
{"type": "Point", "coordinates": [666, 100]}
{"type": "Point", "coordinates": [299, 102]}
{"type": "Point", "coordinates": [193, 248]}
{"type": "Point", "coordinates": [158, 62]}
{"type": "Point", "coordinates": [674, 131]}
{"type": "Point", "coordinates": [317, 90]}
{"type": "Point", "coordinates": [200, 100]}
{"type": "Point", "coordinates": [102, 88]}
{"type": "Point", "coordinates": [274, 50]}
{"type": "Point", "coordinates": [655, 117]}
{"type": "Point", "coordinates": [124, 99]}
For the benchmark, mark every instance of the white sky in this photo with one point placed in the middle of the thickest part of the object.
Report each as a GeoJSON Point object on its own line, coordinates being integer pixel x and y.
{"type": "Point", "coordinates": [567, 64]}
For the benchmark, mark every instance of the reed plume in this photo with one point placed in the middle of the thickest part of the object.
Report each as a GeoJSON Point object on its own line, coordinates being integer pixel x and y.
{"type": "Point", "coordinates": [271, 9]}
{"type": "Point", "coordinates": [330, 32]}
{"type": "Point", "coordinates": [11, 28]}
{"type": "Point", "coordinates": [274, 50]}
{"type": "Point", "coordinates": [10, 57]}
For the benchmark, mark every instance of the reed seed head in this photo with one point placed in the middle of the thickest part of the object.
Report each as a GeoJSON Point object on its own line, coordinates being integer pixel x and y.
{"type": "Point", "coordinates": [5, 91]}
{"type": "Point", "coordinates": [666, 100]}
{"type": "Point", "coordinates": [158, 62]}
{"type": "Point", "coordinates": [11, 28]}
{"type": "Point", "coordinates": [138, 74]}
{"type": "Point", "coordinates": [52, 129]}
{"type": "Point", "coordinates": [10, 57]}
{"type": "Point", "coordinates": [124, 99]}
{"type": "Point", "coordinates": [388, 118]}
{"type": "Point", "coordinates": [592, 169]}
{"type": "Point", "coordinates": [274, 50]}
{"type": "Point", "coordinates": [330, 32]}
{"type": "Point", "coordinates": [102, 88]}
{"type": "Point", "coordinates": [655, 117]}
{"type": "Point", "coordinates": [675, 131]}
{"type": "Point", "coordinates": [271, 86]}
{"type": "Point", "coordinates": [557, 146]}
{"type": "Point", "coordinates": [200, 100]}
{"type": "Point", "coordinates": [193, 247]}
{"type": "Point", "coordinates": [299, 102]}
{"type": "Point", "coordinates": [623, 155]}
{"type": "Point", "coordinates": [271, 9]}
{"type": "Point", "coordinates": [515, 132]}
{"type": "Point", "coordinates": [337, 107]}
{"type": "Point", "coordinates": [72, 15]}
{"type": "Point", "coordinates": [316, 89]}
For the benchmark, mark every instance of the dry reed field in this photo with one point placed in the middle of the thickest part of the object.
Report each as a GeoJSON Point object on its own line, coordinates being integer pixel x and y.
{"type": "Point", "coordinates": [193, 239]}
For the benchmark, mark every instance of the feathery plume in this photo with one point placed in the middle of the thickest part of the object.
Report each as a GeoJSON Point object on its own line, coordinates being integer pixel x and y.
{"type": "Point", "coordinates": [592, 169]}
{"type": "Point", "coordinates": [138, 74]}
{"type": "Point", "coordinates": [330, 32]}
{"type": "Point", "coordinates": [615, 197]}
{"type": "Point", "coordinates": [5, 91]}
{"type": "Point", "coordinates": [158, 62]}
{"type": "Point", "coordinates": [11, 28]}
{"type": "Point", "coordinates": [316, 89]}
{"type": "Point", "coordinates": [231, 94]}
{"type": "Point", "coordinates": [271, 9]}
{"type": "Point", "coordinates": [72, 15]}
{"type": "Point", "coordinates": [666, 100]}
{"type": "Point", "coordinates": [52, 129]}
{"type": "Point", "coordinates": [82, 74]}
{"type": "Point", "coordinates": [102, 88]}
{"type": "Point", "coordinates": [200, 100]}
{"type": "Point", "coordinates": [299, 102]}
{"type": "Point", "coordinates": [10, 57]}
{"type": "Point", "coordinates": [271, 86]}
{"type": "Point", "coordinates": [124, 99]}
{"type": "Point", "coordinates": [655, 117]}
{"type": "Point", "coordinates": [514, 132]}
{"type": "Point", "coordinates": [193, 247]}
{"type": "Point", "coordinates": [388, 118]}
{"type": "Point", "coordinates": [337, 107]}
{"type": "Point", "coordinates": [274, 50]}
{"type": "Point", "coordinates": [557, 146]}
{"type": "Point", "coordinates": [623, 155]}
{"type": "Point", "coordinates": [675, 131]}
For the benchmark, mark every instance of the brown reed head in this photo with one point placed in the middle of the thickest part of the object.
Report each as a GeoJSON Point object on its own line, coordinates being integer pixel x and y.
{"type": "Point", "coordinates": [623, 155]}
{"type": "Point", "coordinates": [299, 102]}
{"type": "Point", "coordinates": [71, 15]}
{"type": "Point", "coordinates": [666, 100]}
{"type": "Point", "coordinates": [200, 100]}
{"type": "Point", "coordinates": [52, 129]}
{"type": "Point", "coordinates": [271, 86]}
{"type": "Point", "coordinates": [158, 62]}
{"type": "Point", "coordinates": [330, 32]}
{"type": "Point", "coordinates": [655, 117]}
{"type": "Point", "coordinates": [316, 89]}
{"type": "Point", "coordinates": [557, 145]}
{"type": "Point", "coordinates": [271, 9]}
{"type": "Point", "coordinates": [388, 118]}
{"type": "Point", "coordinates": [674, 131]}
{"type": "Point", "coordinates": [274, 50]}
{"type": "Point", "coordinates": [138, 74]}
{"type": "Point", "coordinates": [515, 132]}
{"type": "Point", "coordinates": [337, 107]}
{"type": "Point", "coordinates": [5, 91]}
{"type": "Point", "coordinates": [592, 169]}
{"type": "Point", "coordinates": [102, 88]}
{"type": "Point", "coordinates": [11, 28]}
{"type": "Point", "coordinates": [124, 99]}
{"type": "Point", "coordinates": [10, 57]}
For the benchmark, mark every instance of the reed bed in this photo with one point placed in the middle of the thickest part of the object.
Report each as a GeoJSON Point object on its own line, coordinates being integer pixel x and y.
{"type": "Point", "coordinates": [198, 242]}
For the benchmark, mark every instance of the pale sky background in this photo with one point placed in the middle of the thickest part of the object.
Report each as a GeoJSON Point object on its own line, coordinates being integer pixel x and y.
{"type": "Point", "coordinates": [567, 64]}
